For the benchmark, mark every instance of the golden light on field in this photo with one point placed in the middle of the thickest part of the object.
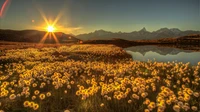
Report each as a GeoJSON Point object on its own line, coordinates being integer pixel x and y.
{"type": "Point", "coordinates": [121, 84]}
{"type": "Point", "coordinates": [50, 28]}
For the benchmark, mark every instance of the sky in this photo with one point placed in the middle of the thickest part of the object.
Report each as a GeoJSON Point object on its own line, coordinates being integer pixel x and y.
{"type": "Point", "coordinates": [84, 16]}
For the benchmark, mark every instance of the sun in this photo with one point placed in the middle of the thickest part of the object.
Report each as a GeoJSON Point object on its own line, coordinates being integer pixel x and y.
{"type": "Point", "coordinates": [50, 29]}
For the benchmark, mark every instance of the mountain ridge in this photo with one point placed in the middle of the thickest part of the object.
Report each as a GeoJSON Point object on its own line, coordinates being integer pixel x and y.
{"type": "Point", "coordinates": [142, 34]}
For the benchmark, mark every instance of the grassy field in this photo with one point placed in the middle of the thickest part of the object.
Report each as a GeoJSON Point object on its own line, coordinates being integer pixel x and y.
{"type": "Point", "coordinates": [94, 78]}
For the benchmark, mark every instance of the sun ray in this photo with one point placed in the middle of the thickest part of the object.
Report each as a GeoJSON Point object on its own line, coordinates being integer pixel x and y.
{"type": "Point", "coordinates": [57, 18]}
{"type": "Point", "coordinates": [44, 16]}
{"type": "Point", "coordinates": [44, 38]}
{"type": "Point", "coordinates": [56, 39]}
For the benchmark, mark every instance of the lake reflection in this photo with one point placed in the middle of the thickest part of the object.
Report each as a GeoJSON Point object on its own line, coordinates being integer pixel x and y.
{"type": "Point", "coordinates": [163, 54]}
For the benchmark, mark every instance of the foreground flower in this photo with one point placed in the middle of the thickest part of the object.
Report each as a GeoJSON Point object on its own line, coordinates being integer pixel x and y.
{"type": "Point", "coordinates": [26, 103]}
{"type": "Point", "coordinates": [48, 94]}
{"type": "Point", "coordinates": [35, 106]}
{"type": "Point", "coordinates": [194, 108]}
{"type": "Point", "coordinates": [12, 96]}
{"type": "Point", "coordinates": [42, 96]}
{"type": "Point", "coordinates": [66, 111]}
{"type": "Point", "coordinates": [102, 104]}
{"type": "Point", "coordinates": [176, 108]}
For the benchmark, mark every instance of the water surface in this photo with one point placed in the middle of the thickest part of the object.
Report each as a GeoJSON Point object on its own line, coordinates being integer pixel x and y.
{"type": "Point", "coordinates": [163, 54]}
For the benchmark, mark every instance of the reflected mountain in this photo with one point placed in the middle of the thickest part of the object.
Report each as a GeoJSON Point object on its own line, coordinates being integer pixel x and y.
{"type": "Point", "coordinates": [160, 50]}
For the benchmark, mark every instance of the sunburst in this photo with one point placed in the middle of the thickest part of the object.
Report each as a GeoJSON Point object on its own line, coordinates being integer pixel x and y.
{"type": "Point", "coordinates": [50, 28]}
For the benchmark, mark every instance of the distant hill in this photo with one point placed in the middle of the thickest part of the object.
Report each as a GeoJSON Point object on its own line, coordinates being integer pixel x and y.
{"type": "Point", "coordinates": [191, 40]}
{"type": "Point", "coordinates": [118, 42]}
{"type": "Point", "coordinates": [143, 34]}
{"type": "Point", "coordinates": [35, 36]}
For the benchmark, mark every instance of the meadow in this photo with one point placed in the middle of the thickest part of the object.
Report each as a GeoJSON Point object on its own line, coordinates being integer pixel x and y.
{"type": "Point", "coordinates": [94, 78]}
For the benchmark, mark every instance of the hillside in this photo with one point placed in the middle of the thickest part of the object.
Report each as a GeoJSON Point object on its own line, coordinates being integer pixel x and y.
{"type": "Point", "coordinates": [189, 39]}
{"type": "Point", "coordinates": [35, 36]}
{"type": "Point", "coordinates": [192, 40]}
{"type": "Point", "coordinates": [118, 42]}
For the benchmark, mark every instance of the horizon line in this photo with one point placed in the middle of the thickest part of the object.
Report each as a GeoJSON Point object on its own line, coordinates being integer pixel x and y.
{"type": "Point", "coordinates": [101, 29]}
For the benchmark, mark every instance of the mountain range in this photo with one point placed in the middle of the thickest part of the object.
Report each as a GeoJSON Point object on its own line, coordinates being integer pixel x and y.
{"type": "Point", "coordinates": [163, 34]}
{"type": "Point", "coordinates": [143, 34]}
{"type": "Point", "coordinates": [36, 36]}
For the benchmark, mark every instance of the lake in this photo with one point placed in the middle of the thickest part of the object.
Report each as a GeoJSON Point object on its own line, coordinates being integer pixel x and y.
{"type": "Point", "coordinates": [163, 54]}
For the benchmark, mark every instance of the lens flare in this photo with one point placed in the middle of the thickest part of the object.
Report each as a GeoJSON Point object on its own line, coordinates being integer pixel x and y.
{"type": "Point", "coordinates": [5, 4]}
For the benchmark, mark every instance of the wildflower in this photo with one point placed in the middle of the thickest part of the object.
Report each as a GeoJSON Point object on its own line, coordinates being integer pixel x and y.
{"type": "Point", "coordinates": [36, 92]}
{"type": "Point", "coordinates": [26, 103]}
{"type": "Point", "coordinates": [48, 94]}
{"type": "Point", "coordinates": [35, 106]}
{"type": "Point", "coordinates": [146, 110]}
{"type": "Point", "coordinates": [185, 107]}
{"type": "Point", "coordinates": [190, 92]}
{"type": "Point", "coordinates": [42, 96]}
{"type": "Point", "coordinates": [12, 96]}
{"type": "Point", "coordinates": [43, 84]}
{"type": "Point", "coordinates": [77, 93]}
{"type": "Point", "coordinates": [88, 81]}
{"type": "Point", "coordinates": [18, 95]}
{"type": "Point", "coordinates": [108, 98]}
{"type": "Point", "coordinates": [66, 110]}
{"type": "Point", "coordinates": [152, 105]}
{"type": "Point", "coordinates": [180, 93]}
{"type": "Point", "coordinates": [129, 101]}
{"type": "Point", "coordinates": [168, 102]}
{"type": "Point", "coordinates": [144, 94]}
{"type": "Point", "coordinates": [33, 97]}
{"type": "Point", "coordinates": [119, 97]}
{"type": "Point", "coordinates": [12, 91]}
{"type": "Point", "coordinates": [34, 85]}
{"type": "Point", "coordinates": [31, 104]}
{"type": "Point", "coordinates": [134, 89]}
{"type": "Point", "coordinates": [196, 94]}
{"type": "Point", "coordinates": [147, 101]}
{"type": "Point", "coordinates": [102, 104]}
{"type": "Point", "coordinates": [135, 96]}
{"type": "Point", "coordinates": [180, 103]}
{"type": "Point", "coordinates": [72, 82]}
{"type": "Point", "coordinates": [186, 98]}
{"type": "Point", "coordinates": [194, 108]}
{"type": "Point", "coordinates": [68, 86]}
{"type": "Point", "coordinates": [110, 80]}
{"type": "Point", "coordinates": [176, 108]}
{"type": "Point", "coordinates": [180, 98]}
